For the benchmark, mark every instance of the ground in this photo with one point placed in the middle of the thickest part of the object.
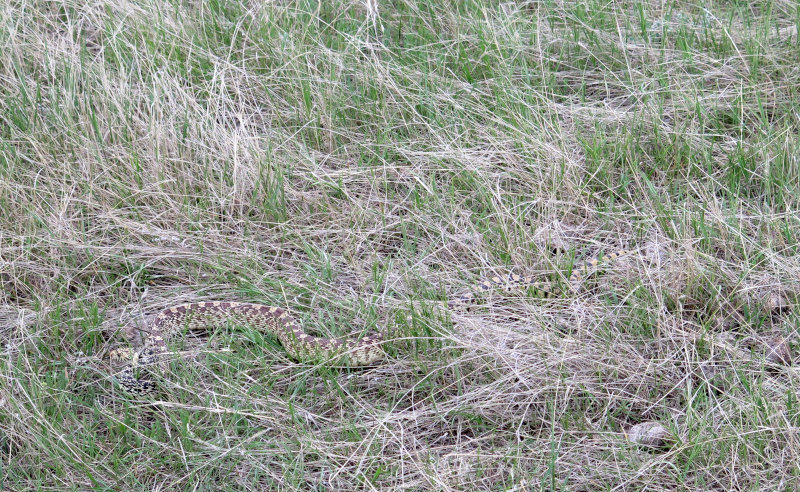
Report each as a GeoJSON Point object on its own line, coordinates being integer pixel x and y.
{"type": "Point", "coordinates": [360, 163]}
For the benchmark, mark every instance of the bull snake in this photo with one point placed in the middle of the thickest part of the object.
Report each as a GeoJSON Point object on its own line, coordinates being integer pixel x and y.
{"type": "Point", "coordinates": [299, 345]}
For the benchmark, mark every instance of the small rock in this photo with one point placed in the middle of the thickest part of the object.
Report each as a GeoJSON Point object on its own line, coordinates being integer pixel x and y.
{"type": "Point", "coordinates": [710, 370]}
{"type": "Point", "coordinates": [778, 351]}
{"type": "Point", "coordinates": [650, 434]}
{"type": "Point", "coordinates": [730, 322]}
{"type": "Point", "coordinates": [777, 302]}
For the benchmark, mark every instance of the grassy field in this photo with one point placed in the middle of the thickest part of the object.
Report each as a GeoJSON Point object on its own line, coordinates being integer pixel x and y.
{"type": "Point", "coordinates": [360, 163]}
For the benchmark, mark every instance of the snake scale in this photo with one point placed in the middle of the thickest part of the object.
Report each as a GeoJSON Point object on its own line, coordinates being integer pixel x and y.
{"type": "Point", "coordinates": [300, 345]}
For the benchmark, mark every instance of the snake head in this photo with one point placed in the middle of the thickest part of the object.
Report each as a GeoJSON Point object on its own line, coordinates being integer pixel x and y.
{"type": "Point", "coordinates": [133, 383]}
{"type": "Point", "coordinates": [125, 354]}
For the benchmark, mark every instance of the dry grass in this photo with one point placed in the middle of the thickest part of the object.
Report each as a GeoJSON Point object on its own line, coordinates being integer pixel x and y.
{"type": "Point", "coordinates": [360, 162]}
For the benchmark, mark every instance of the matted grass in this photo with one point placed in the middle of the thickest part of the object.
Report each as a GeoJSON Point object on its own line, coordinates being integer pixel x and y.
{"type": "Point", "coordinates": [358, 164]}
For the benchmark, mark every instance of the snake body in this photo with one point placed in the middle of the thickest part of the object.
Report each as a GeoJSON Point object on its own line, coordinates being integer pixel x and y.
{"type": "Point", "coordinates": [300, 345]}
{"type": "Point", "coordinates": [201, 315]}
